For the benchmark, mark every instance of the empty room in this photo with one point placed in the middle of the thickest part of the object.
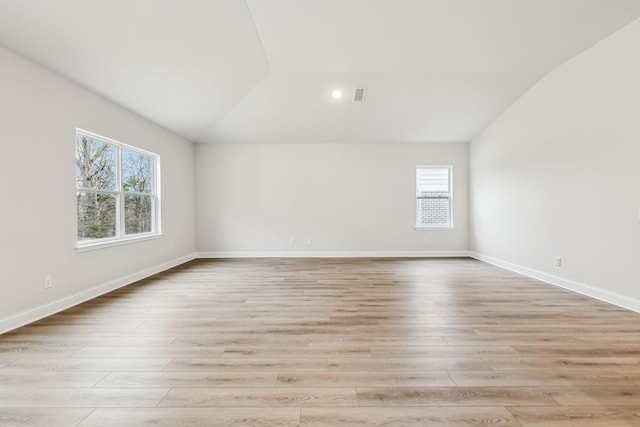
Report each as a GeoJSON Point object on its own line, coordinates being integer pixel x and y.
{"type": "Point", "coordinates": [320, 213]}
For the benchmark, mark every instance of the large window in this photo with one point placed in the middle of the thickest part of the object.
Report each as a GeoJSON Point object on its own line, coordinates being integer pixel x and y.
{"type": "Point", "coordinates": [433, 197]}
{"type": "Point", "coordinates": [117, 190]}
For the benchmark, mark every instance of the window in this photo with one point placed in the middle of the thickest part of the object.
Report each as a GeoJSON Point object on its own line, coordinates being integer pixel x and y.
{"type": "Point", "coordinates": [433, 197]}
{"type": "Point", "coordinates": [116, 191]}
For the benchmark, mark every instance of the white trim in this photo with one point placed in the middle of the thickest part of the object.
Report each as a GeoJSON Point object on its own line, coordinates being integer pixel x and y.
{"type": "Point", "coordinates": [419, 226]}
{"type": "Point", "coordinates": [17, 320]}
{"type": "Point", "coordinates": [590, 291]}
{"type": "Point", "coordinates": [115, 142]}
{"type": "Point", "coordinates": [426, 228]}
{"type": "Point", "coordinates": [336, 254]}
{"type": "Point", "coordinates": [105, 243]}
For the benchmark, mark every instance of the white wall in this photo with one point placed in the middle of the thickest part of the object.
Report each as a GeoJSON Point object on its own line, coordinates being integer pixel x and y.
{"type": "Point", "coordinates": [558, 174]}
{"type": "Point", "coordinates": [346, 197]}
{"type": "Point", "coordinates": [39, 112]}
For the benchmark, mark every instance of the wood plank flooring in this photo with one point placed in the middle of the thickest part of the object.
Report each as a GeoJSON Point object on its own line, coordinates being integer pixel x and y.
{"type": "Point", "coordinates": [327, 342]}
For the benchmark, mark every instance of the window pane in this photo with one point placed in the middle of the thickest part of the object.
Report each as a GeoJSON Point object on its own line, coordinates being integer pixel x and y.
{"type": "Point", "coordinates": [137, 172]}
{"type": "Point", "coordinates": [96, 215]}
{"type": "Point", "coordinates": [433, 180]}
{"type": "Point", "coordinates": [137, 213]}
{"type": "Point", "coordinates": [95, 164]}
{"type": "Point", "coordinates": [434, 211]}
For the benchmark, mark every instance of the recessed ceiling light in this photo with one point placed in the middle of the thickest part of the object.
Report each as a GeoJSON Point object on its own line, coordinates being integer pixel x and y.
{"type": "Point", "coordinates": [336, 94]}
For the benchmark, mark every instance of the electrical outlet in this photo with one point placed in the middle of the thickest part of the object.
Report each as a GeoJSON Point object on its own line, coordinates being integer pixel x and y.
{"type": "Point", "coordinates": [558, 261]}
{"type": "Point", "coordinates": [309, 242]}
{"type": "Point", "coordinates": [293, 242]}
{"type": "Point", "coordinates": [48, 282]}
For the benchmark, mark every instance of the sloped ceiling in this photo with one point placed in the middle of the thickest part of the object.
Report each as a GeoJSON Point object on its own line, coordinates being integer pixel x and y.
{"type": "Point", "coordinates": [180, 63]}
{"type": "Point", "coordinates": [263, 70]}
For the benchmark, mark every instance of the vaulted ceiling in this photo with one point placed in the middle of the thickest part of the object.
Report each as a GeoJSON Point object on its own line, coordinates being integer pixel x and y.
{"type": "Point", "coordinates": [263, 70]}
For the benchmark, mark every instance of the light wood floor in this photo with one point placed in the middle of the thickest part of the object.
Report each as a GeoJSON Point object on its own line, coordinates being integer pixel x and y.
{"type": "Point", "coordinates": [326, 342]}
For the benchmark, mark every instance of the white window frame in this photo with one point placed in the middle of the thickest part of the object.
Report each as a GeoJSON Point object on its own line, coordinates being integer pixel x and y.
{"type": "Point", "coordinates": [121, 238]}
{"type": "Point", "coordinates": [420, 226]}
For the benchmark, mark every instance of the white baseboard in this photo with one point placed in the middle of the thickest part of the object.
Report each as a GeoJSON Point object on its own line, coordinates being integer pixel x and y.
{"type": "Point", "coordinates": [590, 291]}
{"type": "Point", "coordinates": [336, 254]}
{"type": "Point", "coordinates": [28, 316]}
{"type": "Point", "coordinates": [17, 320]}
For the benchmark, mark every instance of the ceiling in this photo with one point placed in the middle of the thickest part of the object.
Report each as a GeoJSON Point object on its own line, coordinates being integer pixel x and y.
{"type": "Point", "coordinates": [217, 71]}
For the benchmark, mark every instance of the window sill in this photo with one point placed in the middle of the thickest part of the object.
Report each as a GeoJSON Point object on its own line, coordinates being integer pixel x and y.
{"type": "Point", "coordinates": [449, 228]}
{"type": "Point", "coordinates": [93, 245]}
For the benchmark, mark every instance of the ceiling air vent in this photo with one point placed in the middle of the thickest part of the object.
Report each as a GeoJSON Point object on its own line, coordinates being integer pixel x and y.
{"type": "Point", "coordinates": [359, 93]}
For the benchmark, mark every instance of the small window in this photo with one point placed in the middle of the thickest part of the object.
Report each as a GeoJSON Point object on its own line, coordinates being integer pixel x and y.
{"type": "Point", "coordinates": [433, 197]}
{"type": "Point", "coordinates": [116, 190]}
